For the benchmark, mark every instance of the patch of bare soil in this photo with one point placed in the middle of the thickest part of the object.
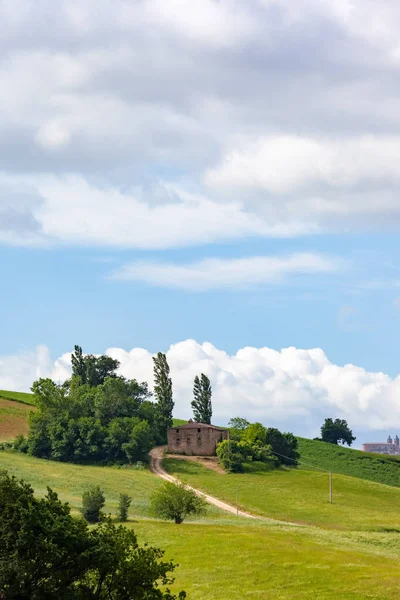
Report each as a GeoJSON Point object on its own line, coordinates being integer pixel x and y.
{"type": "Point", "coordinates": [13, 419]}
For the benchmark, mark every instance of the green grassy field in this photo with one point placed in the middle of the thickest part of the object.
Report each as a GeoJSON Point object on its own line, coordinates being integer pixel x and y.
{"type": "Point", "coordinates": [262, 562]}
{"type": "Point", "coordinates": [374, 467]}
{"type": "Point", "coordinates": [69, 481]}
{"type": "Point", "coordinates": [300, 496]}
{"type": "Point", "coordinates": [23, 397]}
{"type": "Point", "coordinates": [222, 556]}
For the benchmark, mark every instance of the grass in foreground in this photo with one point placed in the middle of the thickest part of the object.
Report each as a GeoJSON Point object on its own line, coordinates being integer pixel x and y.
{"type": "Point", "coordinates": [23, 397]}
{"type": "Point", "coordinates": [374, 467]}
{"type": "Point", "coordinates": [217, 562]}
{"type": "Point", "coordinates": [300, 496]}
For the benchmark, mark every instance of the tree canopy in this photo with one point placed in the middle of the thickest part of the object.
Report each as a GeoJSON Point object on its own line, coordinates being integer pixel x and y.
{"type": "Point", "coordinates": [175, 501]}
{"type": "Point", "coordinates": [337, 431]}
{"type": "Point", "coordinates": [45, 553]}
{"type": "Point", "coordinates": [112, 422]}
{"type": "Point", "coordinates": [92, 370]}
{"type": "Point", "coordinates": [201, 403]}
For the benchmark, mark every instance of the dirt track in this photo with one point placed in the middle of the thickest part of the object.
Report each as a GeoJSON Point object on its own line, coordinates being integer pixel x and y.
{"type": "Point", "coordinates": [156, 456]}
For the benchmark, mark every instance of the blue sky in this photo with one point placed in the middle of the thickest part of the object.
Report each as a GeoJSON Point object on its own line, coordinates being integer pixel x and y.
{"type": "Point", "coordinates": [223, 172]}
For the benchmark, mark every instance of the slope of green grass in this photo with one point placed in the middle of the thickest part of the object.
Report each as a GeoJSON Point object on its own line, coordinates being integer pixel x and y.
{"type": "Point", "coordinates": [23, 397]}
{"type": "Point", "coordinates": [374, 467]}
{"type": "Point", "coordinates": [300, 496]}
{"type": "Point", "coordinates": [69, 481]}
{"type": "Point", "coordinates": [217, 562]}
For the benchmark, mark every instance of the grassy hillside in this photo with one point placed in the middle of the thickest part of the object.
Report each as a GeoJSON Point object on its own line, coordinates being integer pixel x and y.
{"type": "Point", "coordinates": [374, 467]}
{"type": "Point", "coordinates": [69, 481]}
{"type": "Point", "coordinates": [300, 496]}
{"type": "Point", "coordinates": [217, 562]}
{"type": "Point", "coordinates": [22, 397]}
{"type": "Point", "coordinates": [221, 556]}
{"type": "Point", "coordinates": [13, 419]}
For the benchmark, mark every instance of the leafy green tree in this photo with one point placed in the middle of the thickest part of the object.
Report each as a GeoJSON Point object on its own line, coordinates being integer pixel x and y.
{"type": "Point", "coordinates": [201, 403]}
{"type": "Point", "coordinates": [123, 507]}
{"type": "Point", "coordinates": [283, 445]}
{"type": "Point", "coordinates": [83, 423]}
{"type": "Point", "coordinates": [255, 433]}
{"type": "Point", "coordinates": [337, 431]}
{"type": "Point", "coordinates": [163, 394]}
{"type": "Point", "coordinates": [238, 423]}
{"type": "Point", "coordinates": [91, 369]}
{"type": "Point", "coordinates": [45, 553]}
{"type": "Point", "coordinates": [174, 501]}
{"type": "Point", "coordinates": [93, 500]}
{"type": "Point", "coordinates": [231, 456]}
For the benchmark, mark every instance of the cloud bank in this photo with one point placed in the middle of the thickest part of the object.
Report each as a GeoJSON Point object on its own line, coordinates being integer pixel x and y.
{"type": "Point", "coordinates": [268, 118]}
{"type": "Point", "coordinates": [293, 389]}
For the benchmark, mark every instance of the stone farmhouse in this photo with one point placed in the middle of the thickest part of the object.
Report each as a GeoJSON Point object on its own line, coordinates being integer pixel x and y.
{"type": "Point", "coordinates": [389, 447]}
{"type": "Point", "coordinates": [195, 439]}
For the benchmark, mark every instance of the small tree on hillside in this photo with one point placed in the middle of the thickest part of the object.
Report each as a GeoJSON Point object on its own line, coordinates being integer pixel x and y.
{"type": "Point", "coordinates": [123, 507]}
{"type": "Point", "coordinates": [201, 403]}
{"type": "Point", "coordinates": [93, 501]}
{"type": "Point", "coordinates": [337, 431]}
{"type": "Point", "coordinates": [174, 501]}
{"type": "Point", "coordinates": [163, 394]}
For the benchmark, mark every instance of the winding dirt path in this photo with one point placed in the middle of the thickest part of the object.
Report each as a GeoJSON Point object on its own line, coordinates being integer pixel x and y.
{"type": "Point", "coordinates": [156, 456]}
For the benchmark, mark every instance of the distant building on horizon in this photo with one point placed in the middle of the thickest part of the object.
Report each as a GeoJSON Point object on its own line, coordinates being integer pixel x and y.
{"type": "Point", "coordinates": [389, 447]}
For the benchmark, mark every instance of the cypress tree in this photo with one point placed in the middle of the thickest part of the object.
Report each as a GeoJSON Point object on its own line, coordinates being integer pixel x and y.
{"type": "Point", "coordinates": [201, 403]}
{"type": "Point", "coordinates": [163, 394]}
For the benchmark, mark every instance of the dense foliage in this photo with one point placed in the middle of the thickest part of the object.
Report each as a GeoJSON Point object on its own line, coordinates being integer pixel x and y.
{"type": "Point", "coordinates": [123, 507]}
{"type": "Point", "coordinates": [113, 421]}
{"type": "Point", "coordinates": [93, 500]}
{"type": "Point", "coordinates": [45, 553]}
{"type": "Point", "coordinates": [337, 431]}
{"type": "Point", "coordinates": [163, 394]}
{"type": "Point", "coordinates": [254, 442]}
{"type": "Point", "coordinates": [175, 501]}
{"type": "Point", "coordinates": [201, 403]}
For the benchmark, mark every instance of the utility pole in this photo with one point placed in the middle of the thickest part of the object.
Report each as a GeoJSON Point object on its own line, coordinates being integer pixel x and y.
{"type": "Point", "coordinates": [330, 487]}
{"type": "Point", "coordinates": [237, 505]}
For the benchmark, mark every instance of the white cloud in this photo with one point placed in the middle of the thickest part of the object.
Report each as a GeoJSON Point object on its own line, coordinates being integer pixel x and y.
{"type": "Point", "coordinates": [281, 164]}
{"type": "Point", "coordinates": [215, 273]}
{"type": "Point", "coordinates": [290, 108]}
{"type": "Point", "coordinates": [52, 135]}
{"type": "Point", "coordinates": [292, 388]}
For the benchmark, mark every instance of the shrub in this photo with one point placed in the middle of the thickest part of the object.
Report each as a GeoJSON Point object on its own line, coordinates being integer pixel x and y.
{"type": "Point", "coordinates": [231, 455]}
{"type": "Point", "coordinates": [174, 501]}
{"type": "Point", "coordinates": [93, 501]}
{"type": "Point", "coordinates": [123, 507]}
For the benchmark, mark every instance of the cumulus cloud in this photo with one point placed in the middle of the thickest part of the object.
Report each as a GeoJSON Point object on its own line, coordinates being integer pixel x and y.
{"type": "Point", "coordinates": [216, 273]}
{"type": "Point", "coordinates": [292, 388]}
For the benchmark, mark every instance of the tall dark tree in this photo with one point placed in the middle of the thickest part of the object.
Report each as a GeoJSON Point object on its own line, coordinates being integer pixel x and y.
{"type": "Point", "coordinates": [201, 403]}
{"type": "Point", "coordinates": [337, 431]}
{"type": "Point", "coordinates": [78, 364]}
{"type": "Point", "coordinates": [163, 394]}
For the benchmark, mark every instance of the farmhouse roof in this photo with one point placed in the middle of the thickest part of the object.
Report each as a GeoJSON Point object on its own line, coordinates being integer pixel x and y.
{"type": "Point", "coordinates": [192, 425]}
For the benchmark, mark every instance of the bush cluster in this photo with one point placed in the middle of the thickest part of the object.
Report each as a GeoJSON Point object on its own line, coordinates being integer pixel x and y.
{"type": "Point", "coordinates": [254, 442]}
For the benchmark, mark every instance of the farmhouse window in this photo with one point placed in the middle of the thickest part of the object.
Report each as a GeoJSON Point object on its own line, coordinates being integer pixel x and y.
{"type": "Point", "coordinates": [198, 431]}
{"type": "Point", "coordinates": [177, 431]}
{"type": "Point", "coordinates": [188, 440]}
